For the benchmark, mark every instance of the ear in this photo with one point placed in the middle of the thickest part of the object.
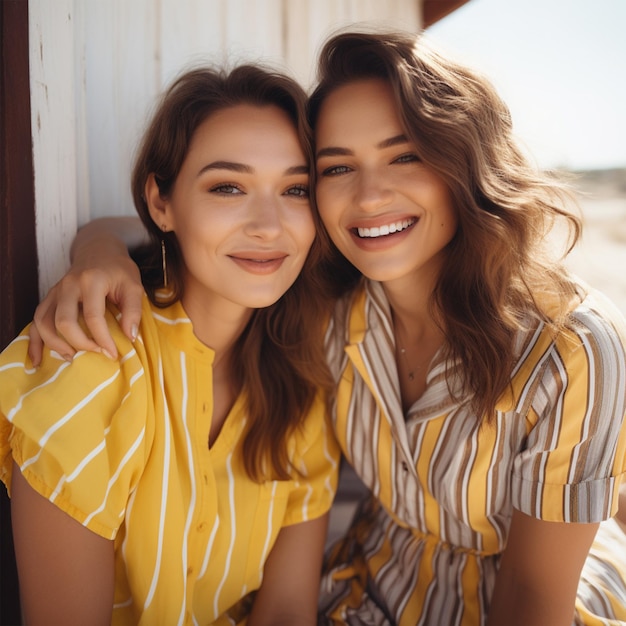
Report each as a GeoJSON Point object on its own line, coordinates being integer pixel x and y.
{"type": "Point", "coordinates": [158, 206]}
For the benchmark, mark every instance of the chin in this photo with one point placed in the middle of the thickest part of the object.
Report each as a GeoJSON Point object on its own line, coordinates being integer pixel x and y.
{"type": "Point", "coordinates": [261, 301]}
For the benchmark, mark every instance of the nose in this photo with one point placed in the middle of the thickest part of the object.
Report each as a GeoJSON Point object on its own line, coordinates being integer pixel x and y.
{"type": "Point", "coordinates": [373, 192]}
{"type": "Point", "coordinates": [264, 218]}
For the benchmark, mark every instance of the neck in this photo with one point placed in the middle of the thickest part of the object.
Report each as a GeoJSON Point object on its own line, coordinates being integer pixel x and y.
{"type": "Point", "coordinates": [409, 302]}
{"type": "Point", "coordinates": [218, 326]}
{"type": "Point", "coordinates": [417, 337]}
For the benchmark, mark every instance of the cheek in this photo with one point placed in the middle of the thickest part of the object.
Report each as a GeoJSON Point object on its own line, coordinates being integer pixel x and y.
{"type": "Point", "coordinates": [450, 218]}
{"type": "Point", "coordinates": [303, 229]}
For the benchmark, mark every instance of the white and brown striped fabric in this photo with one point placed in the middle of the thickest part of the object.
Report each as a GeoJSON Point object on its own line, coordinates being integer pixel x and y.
{"type": "Point", "coordinates": [424, 550]}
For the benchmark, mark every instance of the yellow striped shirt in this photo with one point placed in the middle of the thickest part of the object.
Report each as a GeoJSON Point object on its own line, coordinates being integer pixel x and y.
{"type": "Point", "coordinates": [122, 447]}
{"type": "Point", "coordinates": [425, 549]}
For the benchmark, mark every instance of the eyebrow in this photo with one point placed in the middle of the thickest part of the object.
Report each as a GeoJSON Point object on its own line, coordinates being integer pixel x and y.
{"type": "Point", "coordinates": [242, 168]}
{"type": "Point", "coordinates": [386, 143]}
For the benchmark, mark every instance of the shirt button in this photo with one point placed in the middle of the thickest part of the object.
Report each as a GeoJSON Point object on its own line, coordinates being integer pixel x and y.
{"type": "Point", "coordinates": [189, 571]}
{"type": "Point", "coordinates": [201, 527]}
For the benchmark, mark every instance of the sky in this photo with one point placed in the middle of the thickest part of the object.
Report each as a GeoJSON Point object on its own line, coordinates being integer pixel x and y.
{"type": "Point", "coordinates": [561, 67]}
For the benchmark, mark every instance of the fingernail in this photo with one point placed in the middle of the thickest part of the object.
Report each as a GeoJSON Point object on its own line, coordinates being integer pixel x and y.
{"type": "Point", "coordinates": [134, 331]}
{"type": "Point", "coordinates": [68, 357]}
{"type": "Point", "coordinates": [106, 354]}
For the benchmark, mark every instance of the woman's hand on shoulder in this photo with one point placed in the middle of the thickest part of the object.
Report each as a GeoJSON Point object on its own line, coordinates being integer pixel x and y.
{"type": "Point", "coordinates": [101, 269]}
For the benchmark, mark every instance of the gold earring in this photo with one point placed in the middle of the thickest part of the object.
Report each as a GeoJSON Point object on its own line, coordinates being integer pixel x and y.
{"type": "Point", "coordinates": [163, 257]}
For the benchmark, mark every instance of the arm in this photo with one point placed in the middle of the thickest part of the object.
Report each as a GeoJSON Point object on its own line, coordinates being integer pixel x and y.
{"type": "Point", "coordinates": [101, 269]}
{"type": "Point", "coordinates": [66, 572]}
{"type": "Point", "coordinates": [539, 572]}
{"type": "Point", "coordinates": [620, 516]}
{"type": "Point", "coordinates": [291, 578]}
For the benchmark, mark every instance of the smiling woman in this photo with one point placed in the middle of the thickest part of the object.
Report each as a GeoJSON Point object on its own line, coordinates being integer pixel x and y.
{"type": "Point", "coordinates": [480, 387]}
{"type": "Point", "coordinates": [374, 192]}
{"type": "Point", "coordinates": [235, 220]}
{"type": "Point", "coordinates": [135, 480]}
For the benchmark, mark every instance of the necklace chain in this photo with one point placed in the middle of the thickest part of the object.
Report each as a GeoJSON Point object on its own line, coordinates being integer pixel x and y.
{"type": "Point", "coordinates": [406, 360]}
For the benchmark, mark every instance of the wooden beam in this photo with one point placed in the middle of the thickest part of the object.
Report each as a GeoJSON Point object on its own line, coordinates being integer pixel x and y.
{"type": "Point", "coordinates": [435, 10]}
{"type": "Point", "coordinates": [18, 248]}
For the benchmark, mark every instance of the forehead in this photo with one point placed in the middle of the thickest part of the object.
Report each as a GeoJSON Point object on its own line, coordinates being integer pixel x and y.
{"type": "Point", "coordinates": [360, 107]}
{"type": "Point", "coordinates": [247, 130]}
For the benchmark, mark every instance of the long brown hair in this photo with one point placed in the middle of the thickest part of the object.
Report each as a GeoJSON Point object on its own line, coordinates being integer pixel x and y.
{"type": "Point", "coordinates": [497, 262]}
{"type": "Point", "coordinates": [278, 362]}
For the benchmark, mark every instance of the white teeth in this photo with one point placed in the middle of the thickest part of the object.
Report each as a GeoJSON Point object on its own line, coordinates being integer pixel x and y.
{"type": "Point", "coordinates": [387, 229]}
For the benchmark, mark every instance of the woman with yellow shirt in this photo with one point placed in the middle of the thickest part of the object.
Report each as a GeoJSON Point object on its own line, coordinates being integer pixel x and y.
{"type": "Point", "coordinates": [188, 481]}
{"type": "Point", "coordinates": [480, 388]}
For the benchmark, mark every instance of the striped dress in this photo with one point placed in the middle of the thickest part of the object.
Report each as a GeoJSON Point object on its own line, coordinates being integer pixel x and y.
{"type": "Point", "coordinates": [122, 447]}
{"type": "Point", "coordinates": [424, 548]}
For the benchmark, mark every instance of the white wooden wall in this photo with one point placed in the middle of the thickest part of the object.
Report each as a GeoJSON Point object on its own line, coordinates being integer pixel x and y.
{"type": "Point", "coordinates": [97, 65]}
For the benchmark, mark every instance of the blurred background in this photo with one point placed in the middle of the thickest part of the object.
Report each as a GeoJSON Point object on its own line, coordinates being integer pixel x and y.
{"type": "Point", "coordinates": [561, 67]}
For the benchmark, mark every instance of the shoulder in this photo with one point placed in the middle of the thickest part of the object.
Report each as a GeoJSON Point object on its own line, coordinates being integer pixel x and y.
{"type": "Point", "coordinates": [72, 427]}
{"type": "Point", "coordinates": [593, 330]}
{"type": "Point", "coordinates": [598, 319]}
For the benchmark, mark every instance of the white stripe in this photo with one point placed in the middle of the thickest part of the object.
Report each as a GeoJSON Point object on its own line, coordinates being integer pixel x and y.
{"type": "Point", "coordinates": [209, 548]}
{"type": "Point", "coordinates": [269, 528]}
{"type": "Point", "coordinates": [556, 430]}
{"type": "Point", "coordinates": [591, 389]}
{"type": "Point", "coordinates": [466, 479]}
{"type": "Point", "coordinates": [18, 406]}
{"type": "Point", "coordinates": [164, 489]}
{"type": "Point", "coordinates": [305, 501]}
{"type": "Point", "coordinates": [192, 483]}
{"type": "Point", "coordinates": [233, 533]}
{"type": "Point", "coordinates": [165, 320]}
{"type": "Point", "coordinates": [22, 366]}
{"type": "Point", "coordinates": [331, 460]}
{"type": "Point", "coordinates": [116, 475]}
{"type": "Point", "coordinates": [96, 450]}
{"type": "Point", "coordinates": [128, 355]}
{"type": "Point", "coordinates": [129, 512]}
{"type": "Point", "coordinates": [66, 418]}
{"type": "Point", "coordinates": [78, 469]}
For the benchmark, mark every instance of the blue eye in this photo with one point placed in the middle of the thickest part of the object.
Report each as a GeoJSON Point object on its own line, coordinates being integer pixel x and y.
{"type": "Point", "coordinates": [335, 170]}
{"type": "Point", "coordinates": [407, 158]}
{"type": "Point", "coordinates": [226, 189]}
{"type": "Point", "coordinates": [299, 191]}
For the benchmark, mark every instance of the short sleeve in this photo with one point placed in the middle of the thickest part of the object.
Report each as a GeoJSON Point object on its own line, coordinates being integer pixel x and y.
{"type": "Point", "coordinates": [575, 453]}
{"type": "Point", "coordinates": [76, 430]}
{"type": "Point", "coordinates": [316, 468]}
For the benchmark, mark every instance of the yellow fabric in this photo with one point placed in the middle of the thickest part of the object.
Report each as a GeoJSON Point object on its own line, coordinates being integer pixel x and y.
{"type": "Point", "coordinates": [425, 549]}
{"type": "Point", "coordinates": [122, 446]}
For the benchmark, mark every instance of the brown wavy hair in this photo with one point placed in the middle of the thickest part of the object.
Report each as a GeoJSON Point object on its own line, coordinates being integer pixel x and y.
{"type": "Point", "coordinates": [498, 270]}
{"type": "Point", "coordinates": [278, 362]}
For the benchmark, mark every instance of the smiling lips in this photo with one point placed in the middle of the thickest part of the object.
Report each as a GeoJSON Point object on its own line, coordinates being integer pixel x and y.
{"type": "Point", "coordinates": [386, 229]}
{"type": "Point", "coordinates": [259, 263]}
